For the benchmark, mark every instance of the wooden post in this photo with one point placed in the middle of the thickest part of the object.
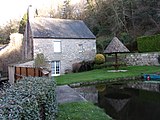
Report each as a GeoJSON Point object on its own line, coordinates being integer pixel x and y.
{"type": "Point", "coordinates": [20, 71]}
{"type": "Point", "coordinates": [15, 72]}
{"type": "Point", "coordinates": [116, 63]}
{"type": "Point", "coordinates": [26, 72]}
{"type": "Point", "coordinates": [34, 69]}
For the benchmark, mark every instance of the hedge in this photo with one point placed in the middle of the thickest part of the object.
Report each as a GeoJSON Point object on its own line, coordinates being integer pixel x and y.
{"type": "Point", "coordinates": [149, 43]}
{"type": "Point", "coordinates": [29, 99]}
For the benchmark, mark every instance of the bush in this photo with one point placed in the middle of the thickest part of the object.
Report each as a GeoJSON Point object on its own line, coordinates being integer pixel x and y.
{"type": "Point", "coordinates": [99, 59]}
{"type": "Point", "coordinates": [40, 61]}
{"type": "Point", "coordinates": [149, 43]}
{"type": "Point", "coordinates": [100, 66]}
{"type": "Point", "coordinates": [29, 99]}
{"type": "Point", "coordinates": [82, 66]}
{"type": "Point", "coordinates": [158, 59]}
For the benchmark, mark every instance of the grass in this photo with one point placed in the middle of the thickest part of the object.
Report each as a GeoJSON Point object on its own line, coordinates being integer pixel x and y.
{"type": "Point", "coordinates": [102, 74]}
{"type": "Point", "coordinates": [81, 111]}
{"type": "Point", "coordinates": [86, 110]}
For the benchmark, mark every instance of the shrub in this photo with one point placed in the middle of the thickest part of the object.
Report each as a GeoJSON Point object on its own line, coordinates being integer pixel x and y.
{"type": "Point", "coordinates": [40, 61]}
{"type": "Point", "coordinates": [86, 66]}
{"type": "Point", "coordinates": [29, 99]}
{"type": "Point", "coordinates": [104, 65]}
{"type": "Point", "coordinates": [99, 59]}
{"type": "Point", "coordinates": [82, 66]}
{"type": "Point", "coordinates": [100, 66]}
{"type": "Point", "coordinates": [158, 59]}
{"type": "Point", "coordinates": [149, 43]}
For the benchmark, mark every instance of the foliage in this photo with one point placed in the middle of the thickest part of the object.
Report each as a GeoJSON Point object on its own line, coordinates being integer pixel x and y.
{"type": "Point", "coordinates": [67, 10]}
{"type": "Point", "coordinates": [29, 99]}
{"type": "Point", "coordinates": [103, 75]}
{"type": "Point", "coordinates": [158, 59]}
{"type": "Point", "coordinates": [5, 31]}
{"type": "Point", "coordinates": [81, 111]}
{"type": "Point", "coordinates": [101, 43]}
{"type": "Point", "coordinates": [116, 17]}
{"type": "Point", "coordinates": [132, 46]}
{"type": "Point", "coordinates": [22, 25]}
{"type": "Point", "coordinates": [99, 59]}
{"type": "Point", "coordinates": [40, 61]}
{"type": "Point", "coordinates": [96, 66]}
{"type": "Point", "coordinates": [11, 53]}
{"type": "Point", "coordinates": [104, 65]}
{"type": "Point", "coordinates": [126, 19]}
{"type": "Point", "coordinates": [82, 66]}
{"type": "Point", "coordinates": [149, 43]}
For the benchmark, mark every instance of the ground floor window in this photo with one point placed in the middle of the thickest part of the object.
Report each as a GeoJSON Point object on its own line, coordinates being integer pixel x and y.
{"type": "Point", "coordinates": [55, 68]}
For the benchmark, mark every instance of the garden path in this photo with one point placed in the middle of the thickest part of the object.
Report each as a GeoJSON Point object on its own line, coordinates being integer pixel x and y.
{"type": "Point", "coordinates": [66, 94]}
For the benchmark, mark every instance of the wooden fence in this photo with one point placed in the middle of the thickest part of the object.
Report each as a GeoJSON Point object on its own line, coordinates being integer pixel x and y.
{"type": "Point", "coordinates": [21, 72]}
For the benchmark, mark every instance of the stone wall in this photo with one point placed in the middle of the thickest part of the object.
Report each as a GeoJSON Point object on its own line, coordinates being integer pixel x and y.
{"type": "Point", "coordinates": [71, 51]}
{"type": "Point", "coordinates": [150, 86]}
{"type": "Point", "coordinates": [90, 93]}
{"type": "Point", "coordinates": [142, 59]}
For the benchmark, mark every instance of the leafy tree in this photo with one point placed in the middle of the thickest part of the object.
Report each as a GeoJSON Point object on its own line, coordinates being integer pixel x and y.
{"type": "Point", "coordinates": [66, 10]}
{"type": "Point", "coordinates": [22, 25]}
{"type": "Point", "coordinates": [126, 19]}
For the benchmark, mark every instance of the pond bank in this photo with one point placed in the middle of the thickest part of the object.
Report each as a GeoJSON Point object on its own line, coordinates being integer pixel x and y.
{"type": "Point", "coordinates": [102, 75]}
{"type": "Point", "coordinates": [122, 102]}
{"type": "Point", "coordinates": [73, 106]}
{"type": "Point", "coordinates": [111, 81]}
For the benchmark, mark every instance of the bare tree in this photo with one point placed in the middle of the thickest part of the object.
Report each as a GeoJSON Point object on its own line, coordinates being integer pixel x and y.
{"type": "Point", "coordinates": [5, 31]}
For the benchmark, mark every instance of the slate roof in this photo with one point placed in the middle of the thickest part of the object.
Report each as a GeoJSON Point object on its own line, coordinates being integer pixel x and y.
{"type": "Point", "coordinates": [116, 46]}
{"type": "Point", "coordinates": [60, 28]}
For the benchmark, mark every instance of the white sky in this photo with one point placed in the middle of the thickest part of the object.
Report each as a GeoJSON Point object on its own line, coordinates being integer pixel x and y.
{"type": "Point", "coordinates": [10, 9]}
{"type": "Point", "coordinates": [15, 9]}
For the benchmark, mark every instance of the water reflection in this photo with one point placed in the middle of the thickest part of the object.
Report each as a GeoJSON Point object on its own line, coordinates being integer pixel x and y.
{"type": "Point", "coordinates": [123, 103]}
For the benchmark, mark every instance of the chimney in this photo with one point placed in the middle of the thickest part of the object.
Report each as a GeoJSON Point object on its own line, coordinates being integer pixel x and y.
{"type": "Point", "coordinates": [29, 41]}
{"type": "Point", "coordinates": [30, 13]}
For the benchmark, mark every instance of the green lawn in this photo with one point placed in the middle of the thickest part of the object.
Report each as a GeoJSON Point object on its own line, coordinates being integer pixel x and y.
{"type": "Point", "coordinates": [81, 111]}
{"type": "Point", "coordinates": [102, 74]}
{"type": "Point", "coordinates": [86, 110]}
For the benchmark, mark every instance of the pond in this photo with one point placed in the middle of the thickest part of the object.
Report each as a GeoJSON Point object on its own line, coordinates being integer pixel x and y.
{"type": "Point", "coordinates": [124, 103]}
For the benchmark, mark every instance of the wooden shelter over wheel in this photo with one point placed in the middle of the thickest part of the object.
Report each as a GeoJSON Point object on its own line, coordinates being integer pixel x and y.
{"type": "Point", "coordinates": [115, 47]}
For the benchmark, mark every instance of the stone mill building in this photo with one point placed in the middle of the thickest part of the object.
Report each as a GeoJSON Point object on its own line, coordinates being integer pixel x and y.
{"type": "Point", "coordinates": [62, 42]}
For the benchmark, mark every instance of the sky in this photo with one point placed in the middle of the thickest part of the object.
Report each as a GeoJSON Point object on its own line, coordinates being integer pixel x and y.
{"type": "Point", "coordinates": [10, 9]}
{"type": "Point", "coordinates": [15, 9]}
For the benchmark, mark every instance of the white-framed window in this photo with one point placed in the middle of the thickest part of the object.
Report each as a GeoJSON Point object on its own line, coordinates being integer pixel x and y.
{"type": "Point", "coordinates": [55, 68]}
{"type": "Point", "coordinates": [57, 46]}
